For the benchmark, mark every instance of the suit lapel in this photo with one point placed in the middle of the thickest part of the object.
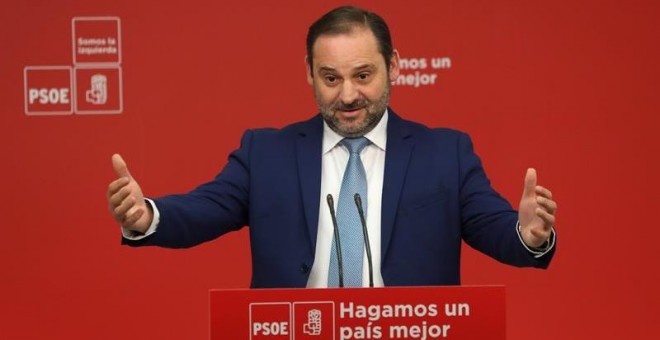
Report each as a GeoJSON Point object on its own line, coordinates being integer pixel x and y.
{"type": "Point", "coordinates": [308, 153]}
{"type": "Point", "coordinates": [397, 157]}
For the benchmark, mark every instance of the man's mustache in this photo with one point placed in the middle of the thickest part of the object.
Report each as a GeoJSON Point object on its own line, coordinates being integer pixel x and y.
{"type": "Point", "coordinates": [358, 104]}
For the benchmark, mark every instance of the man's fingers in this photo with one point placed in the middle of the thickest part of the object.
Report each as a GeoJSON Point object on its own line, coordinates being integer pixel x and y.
{"type": "Point", "coordinates": [530, 183]}
{"type": "Point", "coordinates": [125, 200]}
{"type": "Point", "coordinates": [119, 166]}
{"type": "Point", "coordinates": [132, 217]}
{"type": "Point", "coordinates": [120, 211]}
{"type": "Point", "coordinates": [548, 204]}
{"type": "Point", "coordinates": [119, 196]}
{"type": "Point", "coordinates": [548, 219]}
{"type": "Point", "coordinates": [538, 200]}
{"type": "Point", "coordinates": [542, 191]}
{"type": "Point", "coordinates": [116, 185]}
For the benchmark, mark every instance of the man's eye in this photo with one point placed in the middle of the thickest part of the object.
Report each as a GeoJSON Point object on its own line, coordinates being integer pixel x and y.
{"type": "Point", "coordinates": [330, 79]}
{"type": "Point", "coordinates": [363, 76]}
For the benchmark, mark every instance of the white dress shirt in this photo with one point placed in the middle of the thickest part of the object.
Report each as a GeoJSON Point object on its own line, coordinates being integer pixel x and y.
{"type": "Point", "coordinates": [335, 158]}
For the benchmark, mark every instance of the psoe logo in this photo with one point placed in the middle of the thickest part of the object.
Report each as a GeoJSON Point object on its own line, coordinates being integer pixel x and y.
{"type": "Point", "coordinates": [314, 320]}
{"type": "Point", "coordinates": [314, 324]}
{"type": "Point", "coordinates": [270, 320]}
{"type": "Point", "coordinates": [48, 90]}
{"type": "Point", "coordinates": [98, 92]}
{"type": "Point", "coordinates": [98, 89]}
{"type": "Point", "coordinates": [93, 85]}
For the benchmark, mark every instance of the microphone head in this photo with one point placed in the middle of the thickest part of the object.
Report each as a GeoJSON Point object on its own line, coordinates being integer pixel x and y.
{"type": "Point", "coordinates": [330, 200]}
{"type": "Point", "coordinates": [358, 200]}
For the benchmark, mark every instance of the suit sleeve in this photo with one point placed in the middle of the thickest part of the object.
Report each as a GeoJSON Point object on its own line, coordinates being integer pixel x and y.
{"type": "Point", "coordinates": [210, 210]}
{"type": "Point", "coordinates": [488, 220]}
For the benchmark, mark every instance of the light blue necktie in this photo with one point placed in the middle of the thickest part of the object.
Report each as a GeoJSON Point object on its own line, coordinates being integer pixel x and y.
{"type": "Point", "coordinates": [348, 219]}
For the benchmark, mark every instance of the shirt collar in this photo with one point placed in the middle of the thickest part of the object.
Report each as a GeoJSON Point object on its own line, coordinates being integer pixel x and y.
{"type": "Point", "coordinates": [377, 136]}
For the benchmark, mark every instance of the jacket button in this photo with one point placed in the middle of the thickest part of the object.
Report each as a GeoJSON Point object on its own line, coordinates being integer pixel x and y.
{"type": "Point", "coordinates": [304, 268]}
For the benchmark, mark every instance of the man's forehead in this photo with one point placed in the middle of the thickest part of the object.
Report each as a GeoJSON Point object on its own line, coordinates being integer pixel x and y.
{"type": "Point", "coordinates": [357, 48]}
{"type": "Point", "coordinates": [363, 34]}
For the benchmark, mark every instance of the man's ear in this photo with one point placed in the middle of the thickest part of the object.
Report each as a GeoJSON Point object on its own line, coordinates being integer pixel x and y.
{"type": "Point", "coordinates": [395, 67]}
{"type": "Point", "coordinates": [310, 79]}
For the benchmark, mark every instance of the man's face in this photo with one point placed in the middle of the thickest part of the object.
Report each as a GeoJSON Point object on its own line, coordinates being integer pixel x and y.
{"type": "Point", "coordinates": [351, 81]}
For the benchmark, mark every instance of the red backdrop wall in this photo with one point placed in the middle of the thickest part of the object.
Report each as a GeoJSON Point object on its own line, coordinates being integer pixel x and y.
{"type": "Point", "coordinates": [568, 87]}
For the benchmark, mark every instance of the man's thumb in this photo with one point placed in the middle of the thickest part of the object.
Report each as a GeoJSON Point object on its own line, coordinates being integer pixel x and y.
{"type": "Point", "coordinates": [530, 183]}
{"type": "Point", "coordinates": [120, 166]}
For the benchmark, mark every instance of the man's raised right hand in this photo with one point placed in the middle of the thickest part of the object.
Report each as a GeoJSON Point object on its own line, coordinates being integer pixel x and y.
{"type": "Point", "coordinates": [126, 201]}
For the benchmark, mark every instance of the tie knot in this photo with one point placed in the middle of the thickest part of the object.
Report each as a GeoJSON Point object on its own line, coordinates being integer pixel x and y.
{"type": "Point", "coordinates": [355, 145]}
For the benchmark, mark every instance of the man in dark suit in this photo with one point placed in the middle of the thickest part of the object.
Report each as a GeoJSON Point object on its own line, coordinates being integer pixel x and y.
{"type": "Point", "coordinates": [426, 189]}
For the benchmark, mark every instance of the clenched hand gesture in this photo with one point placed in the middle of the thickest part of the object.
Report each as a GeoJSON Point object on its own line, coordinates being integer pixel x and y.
{"type": "Point", "coordinates": [536, 212]}
{"type": "Point", "coordinates": [126, 201]}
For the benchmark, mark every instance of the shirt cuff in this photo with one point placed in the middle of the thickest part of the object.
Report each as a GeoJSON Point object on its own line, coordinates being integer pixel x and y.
{"type": "Point", "coordinates": [134, 235]}
{"type": "Point", "coordinates": [538, 252]}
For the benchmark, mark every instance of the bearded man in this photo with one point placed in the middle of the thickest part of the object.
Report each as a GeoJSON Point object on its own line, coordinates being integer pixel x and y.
{"type": "Point", "coordinates": [421, 190]}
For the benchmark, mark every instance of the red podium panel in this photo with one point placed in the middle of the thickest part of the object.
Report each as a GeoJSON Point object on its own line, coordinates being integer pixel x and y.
{"type": "Point", "coordinates": [359, 313]}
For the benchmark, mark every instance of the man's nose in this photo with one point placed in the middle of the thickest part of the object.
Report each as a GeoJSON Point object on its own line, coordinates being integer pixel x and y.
{"type": "Point", "coordinates": [349, 93]}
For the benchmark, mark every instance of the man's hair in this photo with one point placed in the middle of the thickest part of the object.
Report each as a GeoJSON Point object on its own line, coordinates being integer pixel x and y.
{"type": "Point", "coordinates": [342, 20]}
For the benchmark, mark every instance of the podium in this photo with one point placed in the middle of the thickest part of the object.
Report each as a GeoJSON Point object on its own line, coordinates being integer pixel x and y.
{"type": "Point", "coordinates": [452, 312]}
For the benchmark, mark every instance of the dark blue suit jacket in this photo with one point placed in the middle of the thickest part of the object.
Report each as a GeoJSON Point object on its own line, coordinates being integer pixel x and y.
{"type": "Point", "coordinates": [435, 194]}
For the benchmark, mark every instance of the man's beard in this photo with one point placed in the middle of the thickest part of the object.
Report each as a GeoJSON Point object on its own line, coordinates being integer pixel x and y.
{"type": "Point", "coordinates": [375, 111]}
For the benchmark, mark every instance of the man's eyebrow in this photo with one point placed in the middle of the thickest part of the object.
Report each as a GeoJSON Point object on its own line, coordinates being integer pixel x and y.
{"type": "Point", "coordinates": [326, 69]}
{"type": "Point", "coordinates": [364, 67]}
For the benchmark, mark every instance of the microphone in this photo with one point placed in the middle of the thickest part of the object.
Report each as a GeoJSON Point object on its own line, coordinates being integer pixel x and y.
{"type": "Point", "coordinates": [340, 263]}
{"type": "Point", "coordinates": [358, 203]}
